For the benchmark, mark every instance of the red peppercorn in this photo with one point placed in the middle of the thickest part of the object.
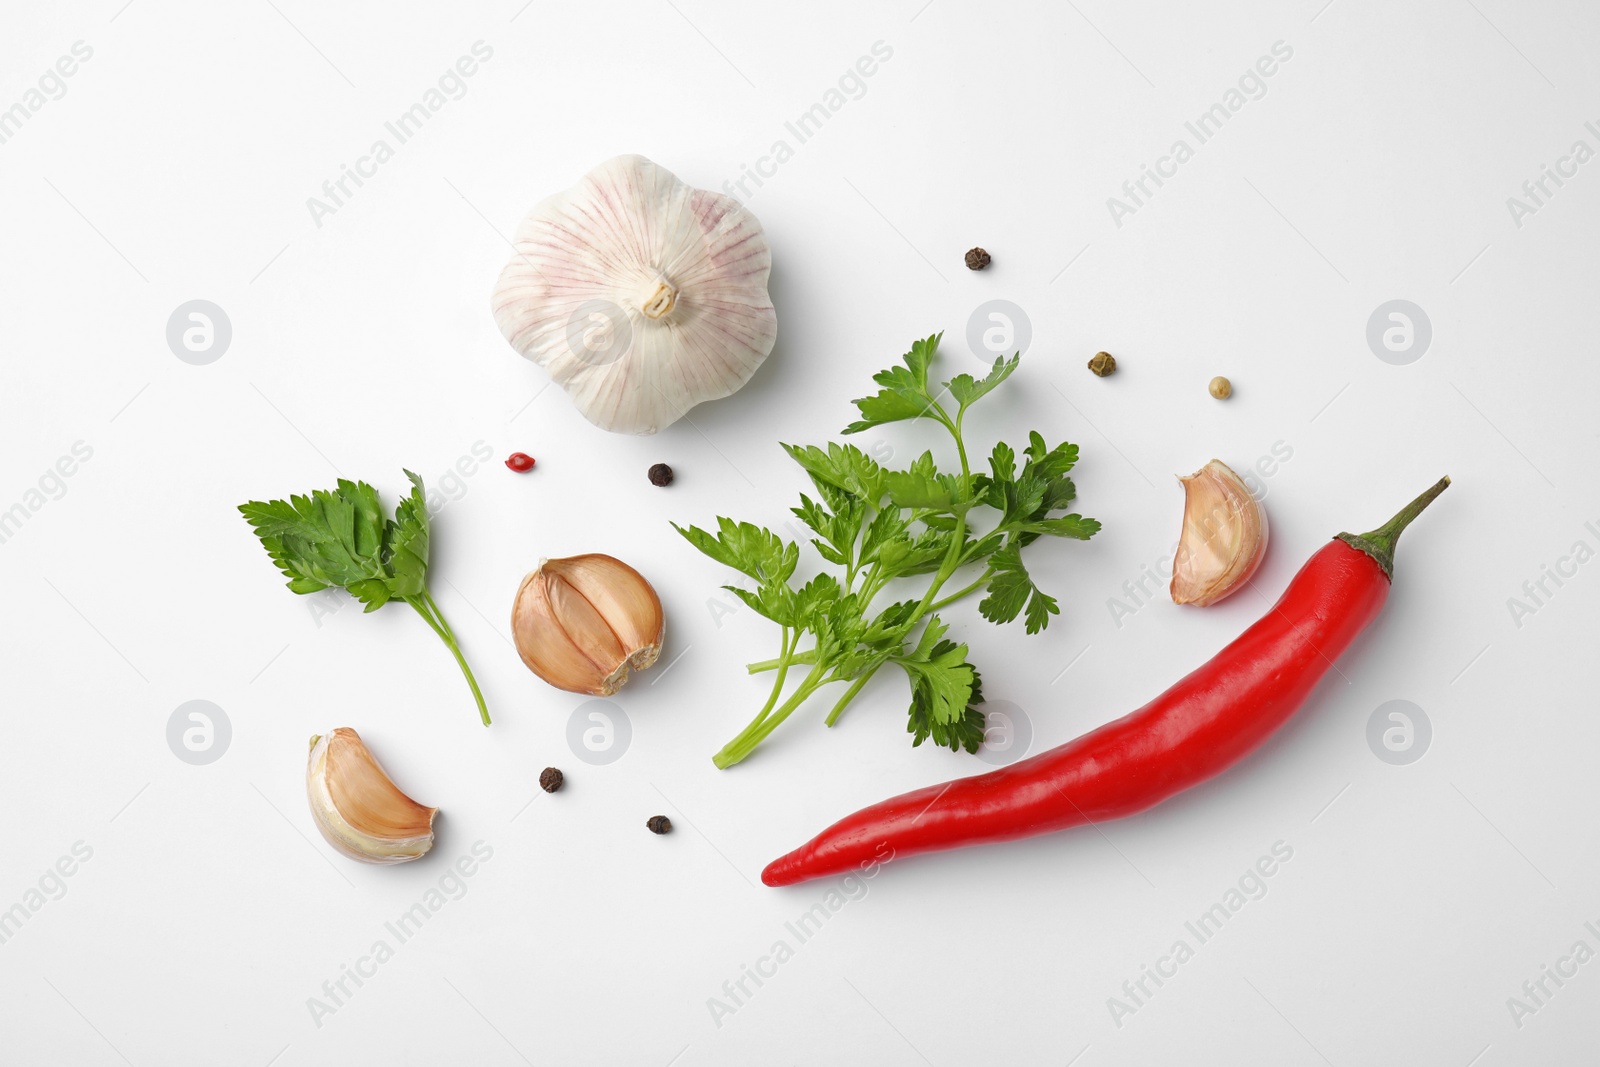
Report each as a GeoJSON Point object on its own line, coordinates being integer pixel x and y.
{"type": "Point", "coordinates": [520, 462]}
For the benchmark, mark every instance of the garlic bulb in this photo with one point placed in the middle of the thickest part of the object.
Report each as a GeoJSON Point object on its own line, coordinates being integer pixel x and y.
{"type": "Point", "coordinates": [358, 809]}
{"type": "Point", "coordinates": [640, 295]}
{"type": "Point", "coordinates": [1224, 536]}
{"type": "Point", "coordinates": [583, 623]}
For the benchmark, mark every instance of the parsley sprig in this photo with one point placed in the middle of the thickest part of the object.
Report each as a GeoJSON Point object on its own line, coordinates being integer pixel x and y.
{"type": "Point", "coordinates": [876, 527]}
{"type": "Point", "coordinates": [340, 538]}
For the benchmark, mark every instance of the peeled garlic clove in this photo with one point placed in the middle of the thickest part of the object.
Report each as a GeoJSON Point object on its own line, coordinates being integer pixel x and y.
{"type": "Point", "coordinates": [1224, 536]}
{"type": "Point", "coordinates": [584, 622]}
{"type": "Point", "coordinates": [640, 295]}
{"type": "Point", "coordinates": [358, 809]}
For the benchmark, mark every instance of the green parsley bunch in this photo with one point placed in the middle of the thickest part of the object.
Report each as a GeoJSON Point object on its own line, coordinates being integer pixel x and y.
{"type": "Point", "coordinates": [876, 527]}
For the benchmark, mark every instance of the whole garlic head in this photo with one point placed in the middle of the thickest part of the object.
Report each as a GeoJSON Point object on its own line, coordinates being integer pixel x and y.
{"type": "Point", "coordinates": [640, 295]}
{"type": "Point", "coordinates": [1224, 536]}
{"type": "Point", "coordinates": [585, 623]}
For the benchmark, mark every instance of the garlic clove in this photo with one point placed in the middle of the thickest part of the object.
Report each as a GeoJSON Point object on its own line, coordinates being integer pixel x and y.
{"type": "Point", "coordinates": [1224, 536]}
{"type": "Point", "coordinates": [621, 596]}
{"type": "Point", "coordinates": [357, 808]}
{"type": "Point", "coordinates": [584, 623]}
{"type": "Point", "coordinates": [641, 296]}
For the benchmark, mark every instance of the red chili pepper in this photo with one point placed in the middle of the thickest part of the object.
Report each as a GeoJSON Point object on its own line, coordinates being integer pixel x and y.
{"type": "Point", "coordinates": [1201, 726]}
{"type": "Point", "coordinates": [520, 462]}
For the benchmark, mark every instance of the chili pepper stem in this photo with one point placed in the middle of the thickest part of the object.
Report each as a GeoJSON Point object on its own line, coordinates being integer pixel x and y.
{"type": "Point", "coordinates": [1380, 543]}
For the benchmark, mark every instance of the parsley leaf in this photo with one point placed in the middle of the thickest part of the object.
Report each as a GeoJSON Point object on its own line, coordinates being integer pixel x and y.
{"type": "Point", "coordinates": [325, 539]}
{"type": "Point", "coordinates": [750, 550]}
{"type": "Point", "coordinates": [339, 538]}
{"type": "Point", "coordinates": [905, 391]}
{"type": "Point", "coordinates": [842, 467]}
{"type": "Point", "coordinates": [940, 673]}
{"type": "Point", "coordinates": [967, 392]}
{"type": "Point", "coordinates": [1012, 588]}
{"type": "Point", "coordinates": [945, 693]}
{"type": "Point", "coordinates": [406, 542]}
{"type": "Point", "coordinates": [910, 489]}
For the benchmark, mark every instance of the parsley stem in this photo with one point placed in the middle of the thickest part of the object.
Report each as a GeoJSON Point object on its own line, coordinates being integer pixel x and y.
{"type": "Point", "coordinates": [953, 597]}
{"type": "Point", "coordinates": [849, 695]}
{"type": "Point", "coordinates": [958, 534]}
{"type": "Point", "coordinates": [424, 605]}
{"type": "Point", "coordinates": [757, 731]}
{"type": "Point", "coordinates": [958, 538]}
{"type": "Point", "coordinates": [444, 624]}
{"type": "Point", "coordinates": [961, 450]}
{"type": "Point", "coordinates": [871, 585]}
{"type": "Point", "coordinates": [763, 665]}
{"type": "Point", "coordinates": [783, 670]}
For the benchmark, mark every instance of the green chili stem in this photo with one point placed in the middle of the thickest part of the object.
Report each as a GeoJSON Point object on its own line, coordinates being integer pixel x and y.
{"type": "Point", "coordinates": [1380, 543]}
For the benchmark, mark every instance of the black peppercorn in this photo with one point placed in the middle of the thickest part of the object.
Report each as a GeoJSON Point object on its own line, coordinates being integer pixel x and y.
{"type": "Point", "coordinates": [550, 779]}
{"type": "Point", "coordinates": [1103, 363]}
{"type": "Point", "coordinates": [658, 824]}
{"type": "Point", "coordinates": [660, 474]}
{"type": "Point", "coordinates": [977, 259]}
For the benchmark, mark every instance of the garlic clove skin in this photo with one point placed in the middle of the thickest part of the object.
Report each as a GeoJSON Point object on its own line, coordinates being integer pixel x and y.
{"type": "Point", "coordinates": [1224, 536]}
{"type": "Point", "coordinates": [640, 295]}
{"type": "Point", "coordinates": [585, 623]}
{"type": "Point", "coordinates": [358, 809]}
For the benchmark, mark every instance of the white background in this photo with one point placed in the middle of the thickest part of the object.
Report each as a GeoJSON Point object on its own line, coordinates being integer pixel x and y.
{"type": "Point", "coordinates": [1377, 165]}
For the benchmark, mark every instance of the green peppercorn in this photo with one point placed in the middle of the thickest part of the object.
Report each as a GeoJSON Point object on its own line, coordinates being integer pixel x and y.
{"type": "Point", "coordinates": [1103, 363]}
